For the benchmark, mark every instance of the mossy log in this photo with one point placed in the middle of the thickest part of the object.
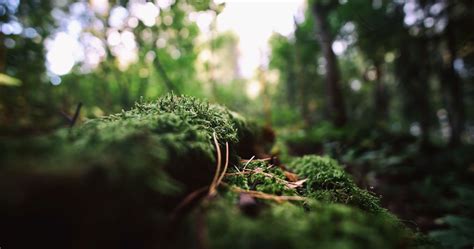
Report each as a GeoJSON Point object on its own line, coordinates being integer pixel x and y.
{"type": "Point", "coordinates": [140, 179]}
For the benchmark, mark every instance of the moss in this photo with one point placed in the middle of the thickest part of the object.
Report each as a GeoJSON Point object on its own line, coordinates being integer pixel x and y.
{"type": "Point", "coordinates": [198, 114]}
{"type": "Point", "coordinates": [315, 223]}
{"type": "Point", "coordinates": [260, 176]}
{"type": "Point", "coordinates": [322, 172]}
{"type": "Point", "coordinates": [121, 170]}
{"type": "Point", "coordinates": [115, 181]}
{"type": "Point", "coordinates": [293, 226]}
{"type": "Point", "coordinates": [328, 182]}
{"type": "Point", "coordinates": [168, 138]}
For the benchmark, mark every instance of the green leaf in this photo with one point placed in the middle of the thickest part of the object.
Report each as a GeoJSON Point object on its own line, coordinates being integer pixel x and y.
{"type": "Point", "coordinates": [6, 80]}
{"type": "Point", "coordinates": [458, 235]}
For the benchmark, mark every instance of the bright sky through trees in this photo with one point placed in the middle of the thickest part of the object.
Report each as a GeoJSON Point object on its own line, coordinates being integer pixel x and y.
{"type": "Point", "coordinates": [252, 21]}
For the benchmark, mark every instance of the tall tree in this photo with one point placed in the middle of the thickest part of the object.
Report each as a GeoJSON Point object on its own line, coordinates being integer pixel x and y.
{"type": "Point", "coordinates": [447, 41]}
{"type": "Point", "coordinates": [459, 17]}
{"type": "Point", "coordinates": [335, 100]}
{"type": "Point", "coordinates": [451, 87]}
{"type": "Point", "coordinates": [377, 26]}
{"type": "Point", "coordinates": [413, 73]}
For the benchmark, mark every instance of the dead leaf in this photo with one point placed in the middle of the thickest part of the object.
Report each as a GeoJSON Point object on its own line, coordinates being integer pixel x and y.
{"type": "Point", "coordinates": [297, 184]}
{"type": "Point", "coordinates": [258, 170]}
{"type": "Point", "coordinates": [292, 177]}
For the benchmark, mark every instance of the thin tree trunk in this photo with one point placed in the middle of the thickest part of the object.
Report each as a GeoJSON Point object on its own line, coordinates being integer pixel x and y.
{"type": "Point", "coordinates": [168, 83]}
{"type": "Point", "coordinates": [422, 91]}
{"type": "Point", "coordinates": [381, 96]}
{"type": "Point", "coordinates": [302, 87]}
{"type": "Point", "coordinates": [291, 77]}
{"type": "Point", "coordinates": [267, 104]}
{"type": "Point", "coordinates": [335, 99]}
{"type": "Point", "coordinates": [3, 53]}
{"type": "Point", "coordinates": [413, 73]}
{"type": "Point", "coordinates": [452, 90]}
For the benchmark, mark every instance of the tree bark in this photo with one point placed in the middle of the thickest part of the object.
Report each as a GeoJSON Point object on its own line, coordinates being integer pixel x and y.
{"type": "Point", "coordinates": [413, 73]}
{"type": "Point", "coordinates": [336, 106]}
{"type": "Point", "coordinates": [421, 76]}
{"type": "Point", "coordinates": [3, 53]}
{"type": "Point", "coordinates": [452, 89]}
{"type": "Point", "coordinates": [302, 87]}
{"type": "Point", "coordinates": [381, 96]}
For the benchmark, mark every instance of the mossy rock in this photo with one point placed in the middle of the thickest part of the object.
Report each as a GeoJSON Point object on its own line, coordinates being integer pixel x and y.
{"type": "Point", "coordinates": [126, 172]}
{"type": "Point", "coordinates": [171, 136]}
{"type": "Point", "coordinates": [347, 217]}
{"type": "Point", "coordinates": [116, 182]}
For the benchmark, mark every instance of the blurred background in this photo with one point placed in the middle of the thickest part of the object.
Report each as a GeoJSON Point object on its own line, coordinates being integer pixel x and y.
{"type": "Point", "coordinates": [384, 86]}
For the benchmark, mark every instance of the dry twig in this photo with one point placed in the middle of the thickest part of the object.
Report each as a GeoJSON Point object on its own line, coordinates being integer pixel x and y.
{"type": "Point", "coordinates": [259, 160]}
{"type": "Point", "coordinates": [265, 196]}
{"type": "Point", "coordinates": [225, 165]}
{"type": "Point", "coordinates": [218, 166]}
{"type": "Point", "coordinates": [247, 163]}
{"type": "Point", "coordinates": [218, 176]}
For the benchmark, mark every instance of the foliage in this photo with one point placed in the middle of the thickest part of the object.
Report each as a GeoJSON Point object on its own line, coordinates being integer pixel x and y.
{"type": "Point", "coordinates": [459, 234]}
{"type": "Point", "coordinates": [6, 80]}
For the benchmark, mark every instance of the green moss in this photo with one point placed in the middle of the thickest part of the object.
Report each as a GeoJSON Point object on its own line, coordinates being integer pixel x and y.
{"type": "Point", "coordinates": [196, 113]}
{"type": "Point", "coordinates": [322, 172]}
{"type": "Point", "coordinates": [293, 226]}
{"type": "Point", "coordinates": [260, 176]}
{"type": "Point", "coordinates": [328, 182]}
{"type": "Point", "coordinates": [165, 146]}
{"type": "Point", "coordinates": [314, 223]}
{"type": "Point", "coordinates": [126, 173]}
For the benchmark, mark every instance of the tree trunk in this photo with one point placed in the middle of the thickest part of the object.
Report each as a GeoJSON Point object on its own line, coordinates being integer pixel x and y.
{"type": "Point", "coordinates": [422, 89]}
{"type": "Point", "coordinates": [3, 53]}
{"type": "Point", "coordinates": [336, 108]}
{"type": "Point", "coordinates": [452, 89]}
{"type": "Point", "coordinates": [413, 73]}
{"type": "Point", "coordinates": [381, 96]}
{"type": "Point", "coordinates": [267, 104]}
{"type": "Point", "coordinates": [302, 87]}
